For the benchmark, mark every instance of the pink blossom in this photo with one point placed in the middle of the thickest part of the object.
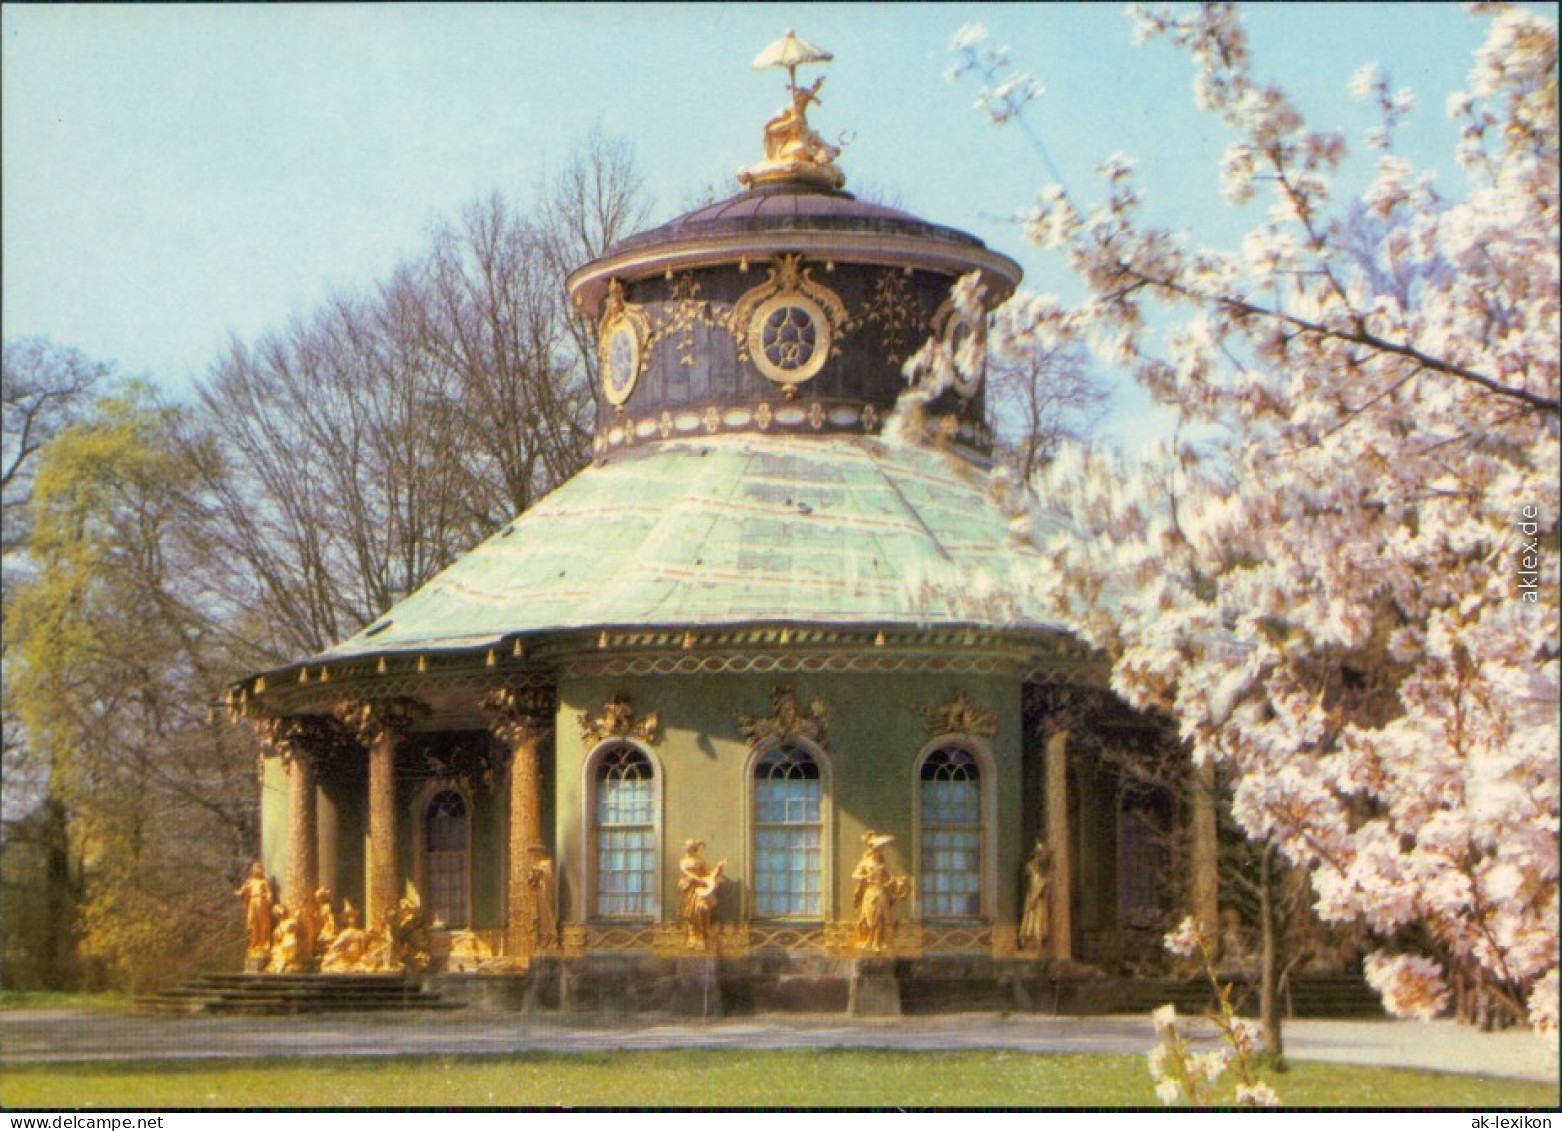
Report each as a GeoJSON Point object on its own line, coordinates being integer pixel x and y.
{"type": "Point", "coordinates": [1411, 986]}
{"type": "Point", "coordinates": [1323, 591]}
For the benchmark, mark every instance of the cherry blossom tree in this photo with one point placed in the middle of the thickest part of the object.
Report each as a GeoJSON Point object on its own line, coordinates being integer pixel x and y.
{"type": "Point", "coordinates": [1341, 578]}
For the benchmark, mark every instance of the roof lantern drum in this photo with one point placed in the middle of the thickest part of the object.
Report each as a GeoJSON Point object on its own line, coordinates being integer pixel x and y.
{"type": "Point", "coordinates": [789, 308]}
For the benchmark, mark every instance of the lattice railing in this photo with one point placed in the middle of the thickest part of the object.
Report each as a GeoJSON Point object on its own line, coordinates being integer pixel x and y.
{"type": "Point", "coordinates": [836, 938]}
{"type": "Point", "coordinates": [786, 936]}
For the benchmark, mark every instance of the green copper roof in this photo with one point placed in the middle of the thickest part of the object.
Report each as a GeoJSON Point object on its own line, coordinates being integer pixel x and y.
{"type": "Point", "coordinates": [735, 530]}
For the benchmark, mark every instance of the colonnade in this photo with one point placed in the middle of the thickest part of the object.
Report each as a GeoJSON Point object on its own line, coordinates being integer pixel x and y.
{"type": "Point", "coordinates": [375, 728]}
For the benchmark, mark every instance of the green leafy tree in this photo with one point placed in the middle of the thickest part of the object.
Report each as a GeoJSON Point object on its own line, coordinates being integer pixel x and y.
{"type": "Point", "coordinates": [117, 657]}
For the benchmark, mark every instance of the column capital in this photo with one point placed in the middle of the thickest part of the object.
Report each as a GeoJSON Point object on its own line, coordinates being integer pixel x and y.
{"type": "Point", "coordinates": [520, 714]}
{"type": "Point", "coordinates": [372, 721]}
{"type": "Point", "coordinates": [1063, 709]}
{"type": "Point", "coordinates": [300, 738]}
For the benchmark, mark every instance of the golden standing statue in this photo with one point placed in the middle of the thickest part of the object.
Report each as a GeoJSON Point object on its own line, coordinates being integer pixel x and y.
{"type": "Point", "coordinates": [1036, 920]}
{"type": "Point", "coordinates": [546, 923]}
{"type": "Point", "coordinates": [257, 896]}
{"type": "Point", "coordinates": [699, 883]}
{"type": "Point", "coordinates": [876, 894]}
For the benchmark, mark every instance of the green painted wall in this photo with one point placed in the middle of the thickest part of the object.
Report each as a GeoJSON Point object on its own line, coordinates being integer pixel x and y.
{"type": "Point", "coordinates": [875, 739]}
{"type": "Point", "coordinates": [489, 839]}
{"type": "Point", "coordinates": [349, 785]}
{"type": "Point", "coordinates": [874, 742]}
{"type": "Point", "coordinates": [274, 852]}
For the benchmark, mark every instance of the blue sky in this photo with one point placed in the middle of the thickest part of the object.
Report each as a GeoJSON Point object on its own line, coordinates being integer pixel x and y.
{"type": "Point", "coordinates": [173, 175]}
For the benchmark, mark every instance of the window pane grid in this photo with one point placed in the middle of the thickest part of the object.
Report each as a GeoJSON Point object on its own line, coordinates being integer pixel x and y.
{"type": "Point", "coordinates": [949, 885]}
{"type": "Point", "coordinates": [625, 834]}
{"type": "Point", "coordinates": [445, 858]}
{"type": "Point", "coordinates": [788, 857]}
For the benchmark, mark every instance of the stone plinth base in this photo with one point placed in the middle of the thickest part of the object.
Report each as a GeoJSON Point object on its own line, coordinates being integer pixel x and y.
{"type": "Point", "coordinates": [696, 988]}
{"type": "Point", "coordinates": [874, 988]}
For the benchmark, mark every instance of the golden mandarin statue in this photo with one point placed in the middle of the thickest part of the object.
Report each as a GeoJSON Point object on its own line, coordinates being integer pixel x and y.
{"type": "Point", "coordinates": [468, 952]}
{"type": "Point", "coordinates": [346, 952]}
{"type": "Point", "coordinates": [546, 921]}
{"type": "Point", "coordinates": [323, 921]}
{"type": "Point", "coordinates": [699, 883]}
{"type": "Point", "coordinates": [793, 150]}
{"type": "Point", "coordinates": [258, 899]}
{"type": "Point", "coordinates": [288, 949]}
{"type": "Point", "coordinates": [407, 932]}
{"type": "Point", "coordinates": [876, 893]}
{"type": "Point", "coordinates": [1035, 922]}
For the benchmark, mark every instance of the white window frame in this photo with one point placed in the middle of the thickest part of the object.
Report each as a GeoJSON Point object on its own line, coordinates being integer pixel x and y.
{"type": "Point", "coordinates": [987, 785]}
{"type": "Point", "coordinates": [588, 864]}
{"type": "Point", "coordinates": [826, 826]}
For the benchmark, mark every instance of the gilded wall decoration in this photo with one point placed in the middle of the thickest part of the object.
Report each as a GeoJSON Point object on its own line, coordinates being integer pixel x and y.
{"type": "Point", "coordinates": [787, 720]}
{"type": "Point", "coordinates": [960, 715]}
{"type": "Point", "coordinates": [465, 763]}
{"type": "Point", "coordinates": [685, 310]}
{"type": "Point", "coordinates": [623, 336]}
{"type": "Point", "coordinates": [893, 308]}
{"type": "Point", "coordinates": [787, 325]}
{"type": "Point", "coordinates": [964, 337]}
{"type": "Point", "coordinates": [617, 720]}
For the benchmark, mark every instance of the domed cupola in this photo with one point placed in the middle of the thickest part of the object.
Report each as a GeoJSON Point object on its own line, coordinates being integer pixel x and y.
{"type": "Point", "coordinates": [790, 308]}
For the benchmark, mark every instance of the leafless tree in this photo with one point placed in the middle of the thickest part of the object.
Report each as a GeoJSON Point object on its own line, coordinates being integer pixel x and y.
{"type": "Point", "coordinates": [1039, 397]}
{"type": "Point", "coordinates": [359, 451]}
{"type": "Point", "coordinates": [492, 318]}
{"type": "Point", "coordinates": [43, 387]}
{"type": "Point", "coordinates": [596, 200]}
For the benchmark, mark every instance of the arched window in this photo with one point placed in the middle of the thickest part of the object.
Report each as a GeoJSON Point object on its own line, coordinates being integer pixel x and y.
{"type": "Point", "coordinates": [446, 863]}
{"type": "Point", "coordinates": [624, 812]}
{"type": "Point", "coordinates": [949, 878]}
{"type": "Point", "coordinates": [788, 835]}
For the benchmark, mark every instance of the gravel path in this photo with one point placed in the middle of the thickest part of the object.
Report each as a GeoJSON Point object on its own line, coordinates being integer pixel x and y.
{"type": "Point", "coordinates": [57, 1036]}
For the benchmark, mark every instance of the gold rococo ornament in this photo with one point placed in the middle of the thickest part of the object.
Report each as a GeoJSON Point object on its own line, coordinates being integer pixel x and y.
{"type": "Point", "coordinates": [959, 329]}
{"type": "Point", "coordinates": [621, 344]}
{"type": "Point", "coordinates": [788, 324]}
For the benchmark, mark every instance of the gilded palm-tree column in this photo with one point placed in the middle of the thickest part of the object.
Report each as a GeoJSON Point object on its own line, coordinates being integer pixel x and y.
{"type": "Point", "coordinates": [298, 740]}
{"type": "Point", "coordinates": [1060, 921]}
{"type": "Point", "coordinates": [1205, 880]}
{"type": "Point", "coordinates": [521, 724]}
{"type": "Point", "coordinates": [303, 742]}
{"type": "Point", "coordinates": [303, 872]}
{"type": "Point", "coordinates": [380, 725]}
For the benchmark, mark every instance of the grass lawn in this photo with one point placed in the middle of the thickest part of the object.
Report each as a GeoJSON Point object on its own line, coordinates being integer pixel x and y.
{"type": "Point", "coordinates": [50, 999]}
{"type": "Point", "coordinates": [711, 1077]}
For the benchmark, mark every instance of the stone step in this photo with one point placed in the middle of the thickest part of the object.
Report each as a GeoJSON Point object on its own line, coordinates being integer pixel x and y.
{"type": "Point", "coordinates": [293, 993]}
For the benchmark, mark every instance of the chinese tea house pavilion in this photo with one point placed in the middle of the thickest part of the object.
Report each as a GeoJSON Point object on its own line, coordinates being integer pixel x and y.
{"type": "Point", "coordinates": [759, 621]}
